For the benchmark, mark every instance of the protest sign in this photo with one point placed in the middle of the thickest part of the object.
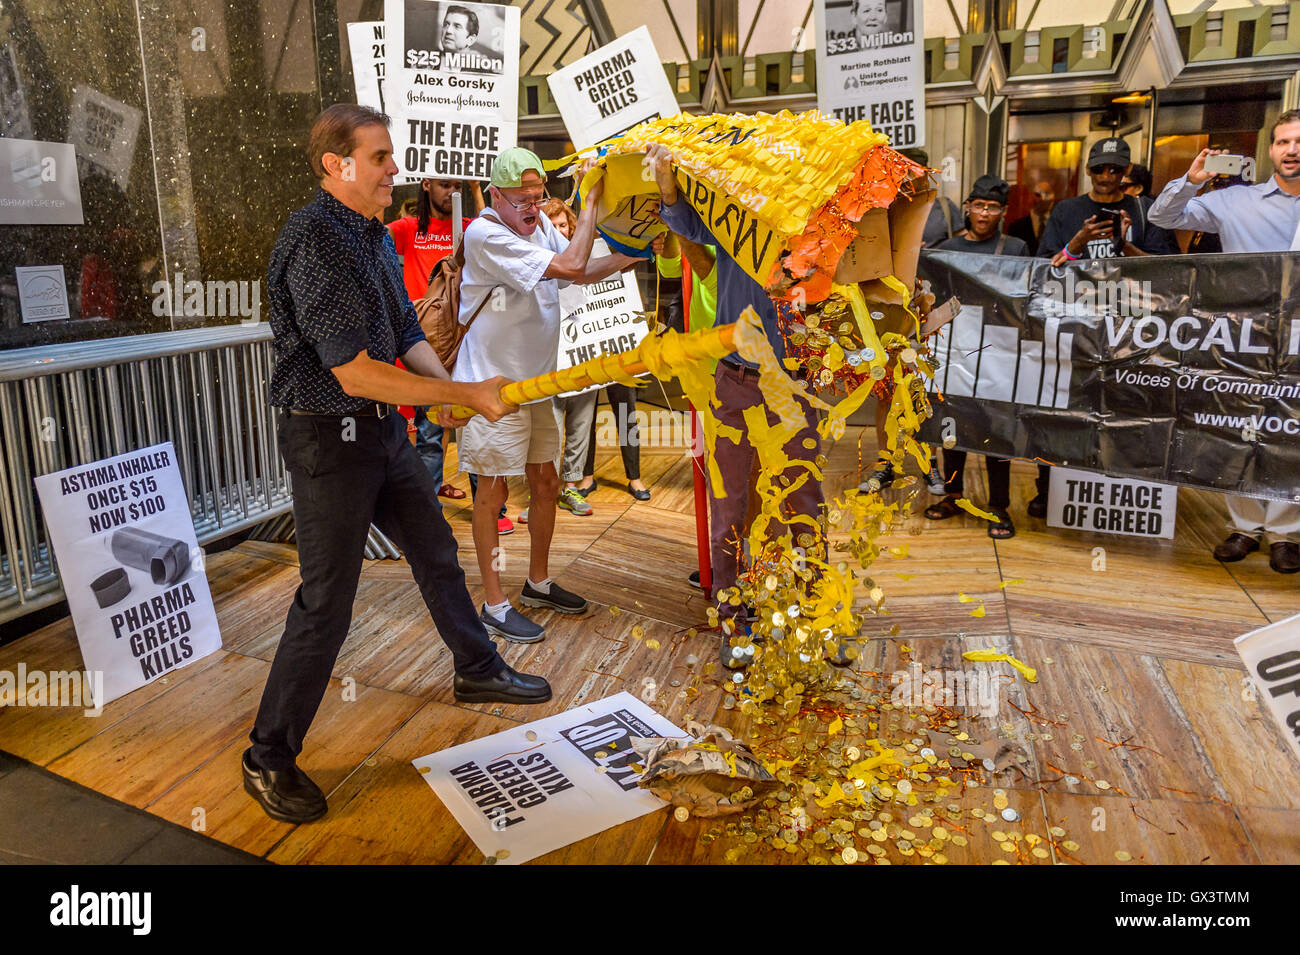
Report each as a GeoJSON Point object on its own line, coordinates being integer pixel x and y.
{"type": "Point", "coordinates": [452, 85]}
{"type": "Point", "coordinates": [1083, 501]}
{"type": "Point", "coordinates": [366, 45]}
{"type": "Point", "coordinates": [39, 183]}
{"type": "Point", "coordinates": [104, 132]}
{"type": "Point", "coordinates": [609, 90]}
{"type": "Point", "coordinates": [871, 65]}
{"type": "Point", "coordinates": [1272, 658]}
{"type": "Point", "coordinates": [540, 786]}
{"type": "Point", "coordinates": [599, 319]}
{"type": "Point", "coordinates": [131, 567]}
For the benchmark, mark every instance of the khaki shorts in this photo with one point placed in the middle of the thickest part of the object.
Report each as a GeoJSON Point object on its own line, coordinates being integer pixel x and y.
{"type": "Point", "coordinates": [531, 435]}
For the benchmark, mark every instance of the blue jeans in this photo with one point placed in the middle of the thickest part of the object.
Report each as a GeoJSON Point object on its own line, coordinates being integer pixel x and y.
{"type": "Point", "coordinates": [428, 444]}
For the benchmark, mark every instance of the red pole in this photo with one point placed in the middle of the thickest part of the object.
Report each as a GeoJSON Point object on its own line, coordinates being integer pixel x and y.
{"type": "Point", "coordinates": [697, 460]}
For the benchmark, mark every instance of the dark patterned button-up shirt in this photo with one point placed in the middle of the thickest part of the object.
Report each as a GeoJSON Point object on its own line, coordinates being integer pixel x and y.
{"type": "Point", "coordinates": [335, 289]}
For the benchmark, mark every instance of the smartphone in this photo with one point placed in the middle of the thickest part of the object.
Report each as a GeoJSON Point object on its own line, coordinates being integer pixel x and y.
{"type": "Point", "coordinates": [1224, 165]}
{"type": "Point", "coordinates": [1116, 221]}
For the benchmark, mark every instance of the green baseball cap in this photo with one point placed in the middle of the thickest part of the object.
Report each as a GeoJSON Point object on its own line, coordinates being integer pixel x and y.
{"type": "Point", "coordinates": [511, 164]}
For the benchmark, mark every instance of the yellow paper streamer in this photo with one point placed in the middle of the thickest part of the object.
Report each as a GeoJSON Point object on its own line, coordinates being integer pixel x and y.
{"type": "Point", "coordinates": [993, 656]}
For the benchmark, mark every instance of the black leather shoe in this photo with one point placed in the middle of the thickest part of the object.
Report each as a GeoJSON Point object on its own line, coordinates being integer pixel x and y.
{"type": "Point", "coordinates": [1235, 548]}
{"type": "Point", "coordinates": [1284, 557]}
{"type": "Point", "coordinates": [285, 795]}
{"type": "Point", "coordinates": [1037, 507]}
{"type": "Point", "coordinates": [642, 495]}
{"type": "Point", "coordinates": [508, 686]}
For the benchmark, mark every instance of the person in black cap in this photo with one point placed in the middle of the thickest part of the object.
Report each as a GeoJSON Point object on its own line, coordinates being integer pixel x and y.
{"type": "Point", "coordinates": [1084, 228]}
{"type": "Point", "coordinates": [984, 208]}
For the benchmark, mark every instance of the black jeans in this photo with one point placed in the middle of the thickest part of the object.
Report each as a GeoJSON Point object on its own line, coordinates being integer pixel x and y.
{"type": "Point", "coordinates": [622, 401]}
{"type": "Point", "coordinates": [343, 482]}
{"type": "Point", "coordinates": [954, 462]}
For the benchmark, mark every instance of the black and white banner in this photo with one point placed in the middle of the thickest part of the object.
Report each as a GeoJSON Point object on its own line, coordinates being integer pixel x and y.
{"type": "Point", "coordinates": [603, 318]}
{"type": "Point", "coordinates": [1272, 658]}
{"type": "Point", "coordinates": [131, 567]}
{"type": "Point", "coordinates": [871, 65]}
{"type": "Point", "coordinates": [1176, 369]}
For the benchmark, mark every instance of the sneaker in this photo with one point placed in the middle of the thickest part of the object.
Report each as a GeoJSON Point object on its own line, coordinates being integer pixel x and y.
{"type": "Point", "coordinates": [523, 516]}
{"type": "Point", "coordinates": [881, 477]}
{"type": "Point", "coordinates": [505, 526]}
{"type": "Point", "coordinates": [935, 481]}
{"type": "Point", "coordinates": [558, 599]}
{"type": "Point", "coordinates": [516, 627]}
{"type": "Point", "coordinates": [571, 500]}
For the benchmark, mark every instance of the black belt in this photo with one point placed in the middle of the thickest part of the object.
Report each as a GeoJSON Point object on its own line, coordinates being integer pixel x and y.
{"type": "Point", "coordinates": [376, 409]}
{"type": "Point", "coordinates": [740, 371]}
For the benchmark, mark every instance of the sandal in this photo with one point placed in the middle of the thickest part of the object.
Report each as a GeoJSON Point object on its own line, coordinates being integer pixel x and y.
{"type": "Point", "coordinates": [1002, 529]}
{"type": "Point", "coordinates": [944, 509]}
{"type": "Point", "coordinates": [451, 491]}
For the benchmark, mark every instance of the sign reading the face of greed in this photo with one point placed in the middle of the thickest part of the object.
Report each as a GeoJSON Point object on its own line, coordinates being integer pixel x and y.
{"type": "Point", "coordinates": [452, 85]}
{"type": "Point", "coordinates": [870, 66]}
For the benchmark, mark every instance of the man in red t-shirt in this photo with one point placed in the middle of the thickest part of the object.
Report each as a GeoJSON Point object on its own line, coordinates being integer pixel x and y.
{"type": "Point", "coordinates": [424, 238]}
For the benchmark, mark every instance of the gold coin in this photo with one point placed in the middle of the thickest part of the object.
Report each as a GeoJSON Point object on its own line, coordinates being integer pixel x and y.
{"type": "Point", "coordinates": [813, 321]}
{"type": "Point", "coordinates": [1070, 845]}
{"type": "Point", "coordinates": [1122, 856]}
{"type": "Point", "coordinates": [849, 855]}
{"type": "Point", "coordinates": [1040, 852]}
{"type": "Point", "coordinates": [958, 840]}
{"type": "Point", "coordinates": [1008, 847]}
{"type": "Point", "coordinates": [681, 814]}
{"type": "Point", "coordinates": [1056, 832]}
{"type": "Point", "coordinates": [798, 338]}
{"type": "Point", "coordinates": [997, 835]}
{"type": "Point", "coordinates": [1102, 784]}
{"type": "Point", "coordinates": [825, 378]}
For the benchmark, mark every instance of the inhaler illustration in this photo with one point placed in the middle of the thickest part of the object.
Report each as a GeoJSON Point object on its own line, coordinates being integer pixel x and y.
{"type": "Point", "coordinates": [165, 558]}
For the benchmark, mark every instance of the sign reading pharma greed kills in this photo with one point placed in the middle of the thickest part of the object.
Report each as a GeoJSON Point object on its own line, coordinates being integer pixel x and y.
{"type": "Point", "coordinates": [538, 787]}
{"type": "Point", "coordinates": [599, 319]}
{"type": "Point", "coordinates": [453, 85]}
{"type": "Point", "coordinates": [1083, 501]}
{"type": "Point", "coordinates": [366, 46]}
{"type": "Point", "coordinates": [621, 84]}
{"type": "Point", "coordinates": [132, 570]}
{"type": "Point", "coordinates": [1272, 657]}
{"type": "Point", "coordinates": [870, 66]}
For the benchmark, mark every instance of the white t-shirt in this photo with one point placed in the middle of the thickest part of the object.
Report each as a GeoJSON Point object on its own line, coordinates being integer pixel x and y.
{"type": "Point", "coordinates": [518, 333]}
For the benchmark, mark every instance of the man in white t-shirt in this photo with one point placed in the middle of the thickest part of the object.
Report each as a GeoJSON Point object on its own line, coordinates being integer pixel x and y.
{"type": "Point", "coordinates": [516, 258]}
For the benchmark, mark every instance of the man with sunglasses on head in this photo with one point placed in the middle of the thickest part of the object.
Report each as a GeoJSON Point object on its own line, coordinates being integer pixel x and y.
{"type": "Point", "coordinates": [515, 263]}
{"type": "Point", "coordinates": [1084, 228]}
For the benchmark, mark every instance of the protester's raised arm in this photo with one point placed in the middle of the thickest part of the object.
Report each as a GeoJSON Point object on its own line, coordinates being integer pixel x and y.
{"type": "Point", "coordinates": [571, 264]}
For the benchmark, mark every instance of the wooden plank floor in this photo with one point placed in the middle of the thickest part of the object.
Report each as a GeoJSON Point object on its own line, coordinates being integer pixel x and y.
{"type": "Point", "coordinates": [1139, 743]}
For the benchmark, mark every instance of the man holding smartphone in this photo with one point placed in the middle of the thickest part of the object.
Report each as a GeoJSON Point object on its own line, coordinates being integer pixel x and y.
{"type": "Point", "coordinates": [1264, 217]}
{"type": "Point", "coordinates": [1105, 223]}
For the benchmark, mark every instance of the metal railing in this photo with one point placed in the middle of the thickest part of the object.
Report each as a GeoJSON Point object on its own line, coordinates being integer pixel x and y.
{"type": "Point", "coordinates": [205, 390]}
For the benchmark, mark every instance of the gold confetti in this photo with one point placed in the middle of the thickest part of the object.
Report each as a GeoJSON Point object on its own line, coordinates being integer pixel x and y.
{"type": "Point", "coordinates": [652, 644]}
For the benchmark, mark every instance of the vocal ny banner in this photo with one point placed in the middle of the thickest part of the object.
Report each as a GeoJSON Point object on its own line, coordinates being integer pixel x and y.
{"type": "Point", "coordinates": [1177, 369]}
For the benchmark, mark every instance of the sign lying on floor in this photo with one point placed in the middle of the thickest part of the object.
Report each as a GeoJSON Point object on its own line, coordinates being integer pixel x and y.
{"type": "Point", "coordinates": [1086, 501]}
{"type": "Point", "coordinates": [538, 787]}
{"type": "Point", "coordinates": [1272, 658]}
{"type": "Point", "coordinates": [131, 567]}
